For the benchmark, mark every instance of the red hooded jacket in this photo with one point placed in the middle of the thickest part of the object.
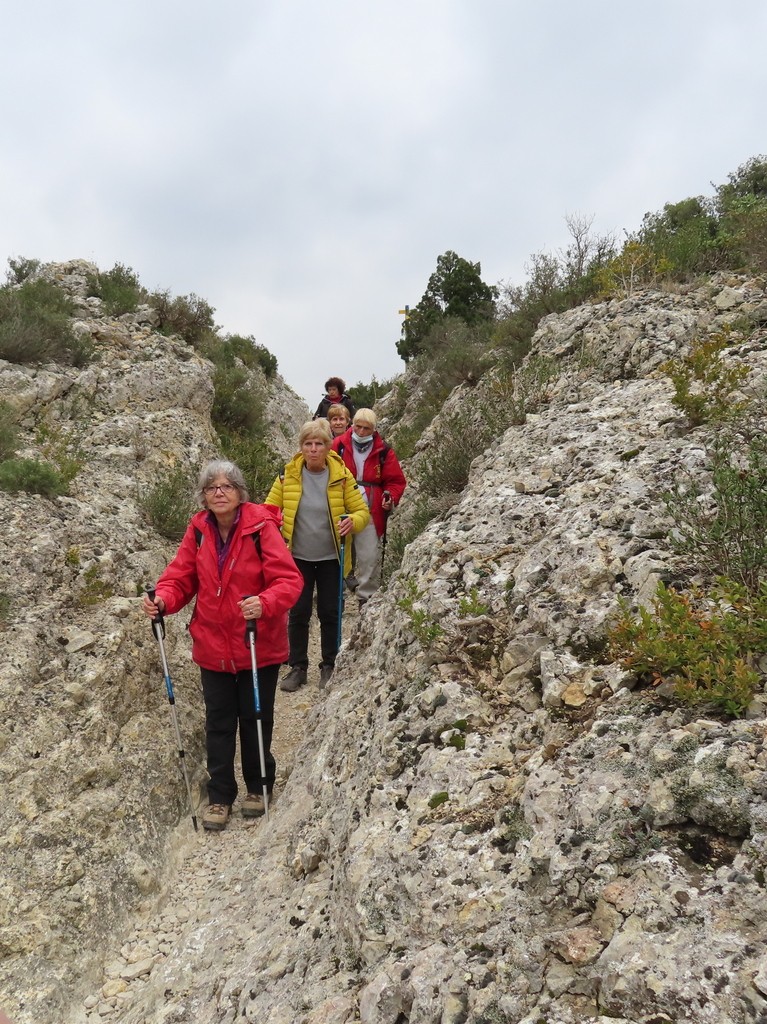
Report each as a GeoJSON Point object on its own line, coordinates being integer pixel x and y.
{"type": "Point", "coordinates": [217, 626]}
{"type": "Point", "coordinates": [379, 474]}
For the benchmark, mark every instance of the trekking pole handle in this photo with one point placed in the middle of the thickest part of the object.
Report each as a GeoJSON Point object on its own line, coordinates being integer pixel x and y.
{"type": "Point", "coordinates": [250, 624]}
{"type": "Point", "coordinates": [151, 593]}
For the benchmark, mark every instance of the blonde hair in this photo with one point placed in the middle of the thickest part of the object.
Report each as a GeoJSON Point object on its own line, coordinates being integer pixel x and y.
{"type": "Point", "coordinates": [366, 416]}
{"type": "Point", "coordinates": [316, 430]}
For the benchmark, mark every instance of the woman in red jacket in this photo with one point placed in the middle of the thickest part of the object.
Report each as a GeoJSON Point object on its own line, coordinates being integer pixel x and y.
{"type": "Point", "coordinates": [233, 548]}
{"type": "Point", "coordinates": [379, 475]}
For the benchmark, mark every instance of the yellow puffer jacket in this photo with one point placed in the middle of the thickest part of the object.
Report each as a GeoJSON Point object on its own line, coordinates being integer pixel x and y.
{"type": "Point", "coordinates": [344, 498]}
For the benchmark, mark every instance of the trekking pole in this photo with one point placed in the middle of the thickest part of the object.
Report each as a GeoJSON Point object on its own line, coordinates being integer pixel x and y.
{"type": "Point", "coordinates": [158, 628]}
{"type": "Point", "coordinates": [387, 513]}
{"type": "Point", "coordinates": [341, 584]}
{"type": "Point", "coordinates": [250, 640]}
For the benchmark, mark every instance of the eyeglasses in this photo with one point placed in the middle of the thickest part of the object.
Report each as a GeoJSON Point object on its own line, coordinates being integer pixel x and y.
{"type": "Point", "coordinates": [224, 488]}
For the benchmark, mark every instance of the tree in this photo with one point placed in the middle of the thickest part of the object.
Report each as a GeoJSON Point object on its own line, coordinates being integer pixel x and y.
{"type": "Point", "coordinates": [455, 289]}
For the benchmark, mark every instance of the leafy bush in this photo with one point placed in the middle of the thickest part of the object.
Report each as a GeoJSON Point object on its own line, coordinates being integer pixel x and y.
{"type": "Point", "coordinates": [6, 604]}
{"type": "Point", "coordinates": [424, 511]}
{"type": "Point", "coordinates": [706, 646]}
{"type": "Point", "coordinates": [20, 269]}
{"type": "Point", "coordinates": [237, 405]}
{"type": "Point", "coordinates": [727, 535]}
{"type": "Point", "coordinates": [118, 288]}
{"type": "Point", "coordinates": [35, 325]}
{"type": "Point", "coordinates": [32, 476]}
{"type": "Point", "coordinates": [247, 350]}
{"type": "Point", "coordinates": [365, 396]}
{"type": "Point", "coordinates": [8, 432]}
{"type": "Point", "coordinates": [169, 505]}
{"type": "Point", "coordinates": [684, 240]}
{"type": "Point", "coordinates": [703, 382]}
{"type": "Point", "coordinates": [186, 315]}
{"type": "Point", "coordinates": [259, 464]}
{"type": "Point", "coordinates": [61, 451]}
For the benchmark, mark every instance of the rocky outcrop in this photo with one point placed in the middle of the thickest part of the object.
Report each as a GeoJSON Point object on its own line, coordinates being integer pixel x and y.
{"type": "Point", "coordinates": [89, 767]}
{"type": "Point", "coordinates": [489, 822]}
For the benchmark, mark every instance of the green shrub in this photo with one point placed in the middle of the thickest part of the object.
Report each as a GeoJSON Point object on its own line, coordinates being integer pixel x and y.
{"type": "Point", "coordinates": [423, 627]}
{"type": "Point", "coordinates": [36, 326]}
{"type": "Point", "coordinates": [253, 354]}
{"type": "Point", "coordinates": [20, 269]}
{"type": "Point", "coordinates": [259, 464]}
{"type": "Point", "coordinates": [62, 451]}
{"type": "Point", "coordinates": [169, 505]}
{"type": "Point", "coordinates": [238, 406]}
{"type": "Point", "coordinates": [6, 604]}
{"type": "Point", "coordinates": [703, 382]}
{"type": "Point", "coordinates": [118, 288]}
{"type": "Point", "coordinates": [728, 535]}
{"type": "Point", "coordinates": [8, 432]}
{"type": "Point", "coordinates": [471, 606]}
{"type": "Point", "coordinates": [186, 315]}
{"type": "Point", "coordinates": [398, 537]}
{"type": "Point", "coordinates": [365, 396]}
{"type": "Point", "coordinates": [705, 645]}
{"type": "Point", "coordinates": [446, 471]}
{"type": "Point", "coordinates": [32, 476]}
{"type": "Point", "coordinates": [94, 589]}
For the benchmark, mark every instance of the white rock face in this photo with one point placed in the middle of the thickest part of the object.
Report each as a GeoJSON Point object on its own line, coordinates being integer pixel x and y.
{"type": "Point", "coordinates": [89, 765]}
{"type": "Point", "coordinates": [484, 825]}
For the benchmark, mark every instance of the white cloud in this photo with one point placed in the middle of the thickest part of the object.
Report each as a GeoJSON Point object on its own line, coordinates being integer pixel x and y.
{"type": "Point", "coordinates": [301, 166]}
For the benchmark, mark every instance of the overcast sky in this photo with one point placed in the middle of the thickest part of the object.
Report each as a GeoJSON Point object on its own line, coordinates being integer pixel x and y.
{"type": "Point", "coordinates": [302, 164]}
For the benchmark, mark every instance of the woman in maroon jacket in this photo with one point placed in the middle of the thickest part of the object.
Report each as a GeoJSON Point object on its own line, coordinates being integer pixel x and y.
{"type": "Point", "coordinates": [233, 548]}
{"type": "Point", "coordinates": [376, 469]}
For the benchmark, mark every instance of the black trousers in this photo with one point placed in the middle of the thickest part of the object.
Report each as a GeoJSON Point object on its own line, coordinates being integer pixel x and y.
{"type": "Point", "coordinates": [324, 576]}
{"type": "Point", "coordinates": [229, 702]}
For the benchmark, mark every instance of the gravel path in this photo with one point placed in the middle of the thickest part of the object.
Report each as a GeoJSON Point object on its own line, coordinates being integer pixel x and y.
{"type": "Point", "coordinates": [196, 861]}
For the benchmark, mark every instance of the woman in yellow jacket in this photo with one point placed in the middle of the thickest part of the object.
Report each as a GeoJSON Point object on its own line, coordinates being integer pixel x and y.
{"type": "Point", "coordinates": [316, 491]}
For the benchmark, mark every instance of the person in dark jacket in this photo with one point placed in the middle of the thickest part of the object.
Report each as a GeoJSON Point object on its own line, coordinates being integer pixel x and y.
{"type": "Point", "coordinates": [335, 394]}
{"type": "Point", "coordinates": [379, 475]}
{"type": "Point", "coordinates": [233, 548]}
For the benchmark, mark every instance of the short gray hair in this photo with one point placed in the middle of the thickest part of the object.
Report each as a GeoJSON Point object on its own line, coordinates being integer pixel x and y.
{"type": "Point", "coordinates": [220, 467]}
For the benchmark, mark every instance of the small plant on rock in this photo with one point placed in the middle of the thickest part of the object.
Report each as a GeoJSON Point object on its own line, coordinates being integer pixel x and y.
{"type": "Point", "coordinates": [703, 382]}
{"type": "Point", "coordinates": [423, 628]}
{"type": "Point", "coordinates": [94, 589]}
{"type": "Point", "coordinates": [705, 645]}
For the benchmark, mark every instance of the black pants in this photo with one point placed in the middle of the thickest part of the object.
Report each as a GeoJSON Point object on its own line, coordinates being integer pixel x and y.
{"type": "Point", "coordinates": [229, 702]}
{"type": "Point", "coordinates": [325, 576]}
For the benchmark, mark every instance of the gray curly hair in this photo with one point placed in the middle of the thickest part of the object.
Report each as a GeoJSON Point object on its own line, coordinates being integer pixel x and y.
{"type": "Point", "coordinates": [220, 467]}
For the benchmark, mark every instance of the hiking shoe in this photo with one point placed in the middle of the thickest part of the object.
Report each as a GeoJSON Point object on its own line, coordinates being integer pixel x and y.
{"type": "Point", "coordinates": [295, 678]}
{"type": "Point", "coordinates": [215, 817]}
{"type": "Point", "coordinates": [326, 671]}
{"type": "Point", "coordinates": [253, 805]}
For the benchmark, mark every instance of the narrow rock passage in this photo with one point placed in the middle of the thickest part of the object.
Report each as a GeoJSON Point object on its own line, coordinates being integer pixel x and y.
{"type": "Point", "coordinates": [190, 891]}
